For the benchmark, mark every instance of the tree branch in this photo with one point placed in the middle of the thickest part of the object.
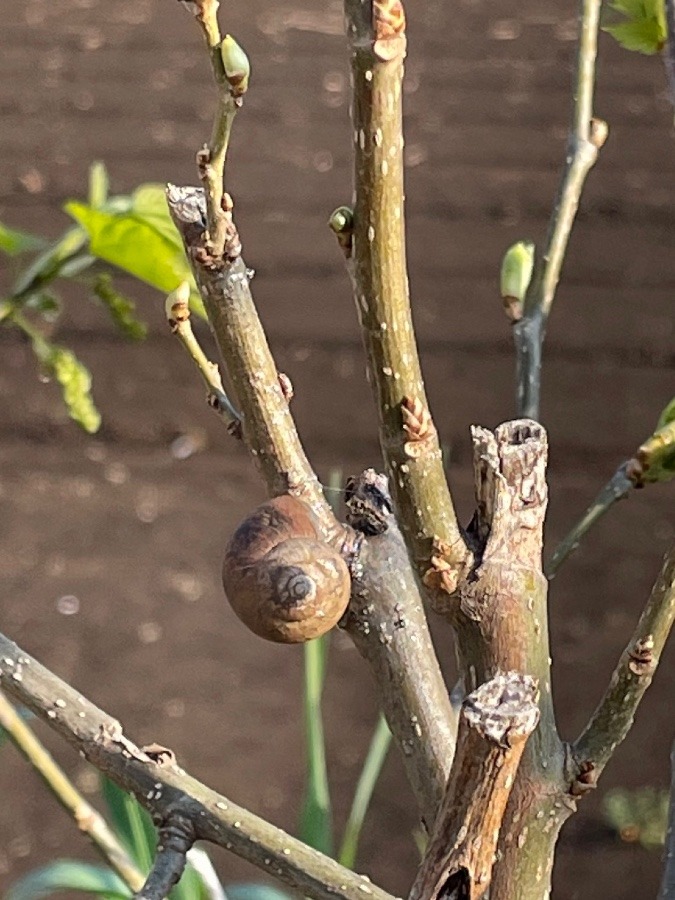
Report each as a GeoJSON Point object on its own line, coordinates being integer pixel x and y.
{"type": "Point", "coordinates": [587, 135]}
{"type": "Point", "coordinates": [668, 884]}
{"type": "Point", "coordinates": [377, 264]}
{"type": "Point", "coordinates": [165, 790]}
{"type": "Point", "coordinates": [175, 839]}
{"type": "Point", "coordinates": [495, 722]}
{"type": "Point", "coordinates": [205, 221]}
{"type": "Point", "coordinates": [387, 622]}
{"type": "Point", "coordinates": [618, 487]}
{"type": "Point", "coordinates": [87, 819]}
{"type": "Point", "coordinates": [500, 617]}
{"type": "Point", "coordinates": [614, 716]}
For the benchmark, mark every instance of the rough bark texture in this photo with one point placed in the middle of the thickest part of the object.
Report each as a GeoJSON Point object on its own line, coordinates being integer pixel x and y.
{"type": "Point", "coordinates": [495, 722]}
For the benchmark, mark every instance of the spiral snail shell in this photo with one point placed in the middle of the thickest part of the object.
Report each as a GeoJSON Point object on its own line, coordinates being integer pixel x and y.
{"type": "Point", "coordinates": [282, 580]}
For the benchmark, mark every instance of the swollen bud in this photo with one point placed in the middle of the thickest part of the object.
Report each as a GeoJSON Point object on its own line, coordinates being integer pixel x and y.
{"type": "Point", "coordinates": [177, 306]}
{"type": "Point", "coordinates": [236, 65]}
{"type": "Point", "coordinates": [515, 277]}
{"type": "Point", "coordinates": [341, 223]}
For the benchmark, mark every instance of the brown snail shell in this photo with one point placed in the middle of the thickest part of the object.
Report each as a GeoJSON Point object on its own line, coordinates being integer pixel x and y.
{"type": "Point", "coordinates": [282, 580]}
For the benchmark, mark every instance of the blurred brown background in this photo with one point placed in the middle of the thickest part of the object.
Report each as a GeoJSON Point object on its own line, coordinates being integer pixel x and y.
{"type": "Point", "coordinates": [134, 532]}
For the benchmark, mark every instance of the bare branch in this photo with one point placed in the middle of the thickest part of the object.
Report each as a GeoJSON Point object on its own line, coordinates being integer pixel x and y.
{"type": "Point", "coordinates": [387, 622]}
{"type": "Point", "coordinates": [667, 891]}
{"type": "Point", "coordinates": [495, 722]}
{"type": "Point", "coordinates": [587, 135]}
{"type": "Point", "coordinates": [375, 246]}
{"type": "Point", "coordinates": [618, 487]}
{"type": "Point", "coordinates": [175, 839]}
{"type": "Point", "coordinates": [614, 716]}
{"type": "Point", "coordinates": [87, 819]}
{"type": "Point", "coordinates": [178, 316]}
{"type": "Point", "coordinates": [166, 791]}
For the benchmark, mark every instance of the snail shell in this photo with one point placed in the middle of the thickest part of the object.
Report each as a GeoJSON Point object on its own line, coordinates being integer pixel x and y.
{"type": "Point", "coordinates": [282, 580]}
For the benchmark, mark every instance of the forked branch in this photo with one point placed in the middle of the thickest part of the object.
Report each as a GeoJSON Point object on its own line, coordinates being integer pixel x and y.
{"type": "Point", "coordinates": [166, 791]}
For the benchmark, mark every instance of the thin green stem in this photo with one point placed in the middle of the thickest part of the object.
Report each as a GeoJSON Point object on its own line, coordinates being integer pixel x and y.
{"type": "Point", "coordinates": [618, 487]}
{"type": "Point", "coordinates": [377, 263]}
{"type": "Point", "coordinates": [87, 819]}
{"type": "Point", "coordinates": [377, 753]}
{"type": "Point", "coordinates": [178, 314]}
{"type": "Point", "coordinates": [586, 137]}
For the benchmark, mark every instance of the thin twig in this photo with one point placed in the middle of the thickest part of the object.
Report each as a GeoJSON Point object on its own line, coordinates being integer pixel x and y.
{"type": "Point", "coordinates": [495, 722]}
{"type": "Point", "coordinates": [178, 316]}
{"type": "Point", "coordinates": [587, 135]}
{"type": "Point", "coordinates": [87, 819]}
{"type": "Point", "coordinates": [618, 487]}
{"type": "Point", "coordinates": [175, 839]}
{"type": "Point", "coordinates": [614, 716]}
{"type": "Point", "coordinates": [204, 219]}
{"type": "Point", "coordinates": [377, 264]}
{"type": "Point", "coordinates": [667, 891]}
{"type": "Point", "coordinates": [165, 790]}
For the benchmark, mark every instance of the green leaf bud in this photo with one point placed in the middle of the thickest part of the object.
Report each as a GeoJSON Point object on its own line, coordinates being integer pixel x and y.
{"type": "Point", "coordinates": [236, 65]}
{"type": "Point", "coordinates": [516, 274]}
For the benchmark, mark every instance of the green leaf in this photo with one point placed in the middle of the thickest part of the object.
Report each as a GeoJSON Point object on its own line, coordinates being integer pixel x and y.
{"type": "Point", "coordinates": [148, 202]}
{"type": "Point", "coordinates": [200, 880]}
{"type": "Point", "coordinates": [316, 818]}
{"type": "Point", "coordinates": [48, 265]}
{"type": "Point", "coordinates": [643, 37]}
{"type": "Point", "coordinates": [133, 245]}
{"type": "Point", "coordinates": [122, 310]}
{"type": "Point", "coordinates": [68, 875]}
{"type": "Point", "coordinates": [255, 891]}
{"type": "Point", "coordinates": [645, 28]}
{"type": "Point", "coordinates": [377, 753]}
{"type": "Point", "coordinates": [132, 824]}
{"type": "Point", "coordinates": [667, 416]}
{"type": "Point", "coordinates": [98, 185]}
{"type": "Point", "coordinates": [14, 242]}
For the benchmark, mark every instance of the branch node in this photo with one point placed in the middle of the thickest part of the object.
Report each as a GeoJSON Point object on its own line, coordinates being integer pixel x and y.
{"type": "Point", "coordinates": [368, 502]}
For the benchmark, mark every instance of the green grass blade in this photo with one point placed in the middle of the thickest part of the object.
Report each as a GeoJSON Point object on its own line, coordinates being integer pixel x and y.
{"type": "Point", "coordinates": [68, 875]}
{"type": "Point", "coordinates": [132, 824]}
{"type": "Point", "coordinates": [377, 753]}
{"type": "Point", "coordinates": [316, 827]}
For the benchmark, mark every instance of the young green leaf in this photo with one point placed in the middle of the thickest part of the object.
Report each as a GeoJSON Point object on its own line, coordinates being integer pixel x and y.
{"type": "Point", "coordinates": [644, 29]}
{"type": "Point", "coordinates": [133, 245]}
{"type": "Point", "coordinates": [98, 185]}
{"type": "Point", "coordinates": [49, 265]}
{"type": "Point", "coordinates": [667, 416]}
{"type": "Point", "coordinates": [122, 310]}
{"type": "Point", "coordinates": [14, 242]}
{"type": "Point", "coordinates": [148, 202]}
{"type": "Point", "coordinates": [68, 875]}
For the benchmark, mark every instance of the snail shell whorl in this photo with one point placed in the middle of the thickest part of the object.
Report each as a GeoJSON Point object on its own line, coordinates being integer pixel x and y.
{"type": "Point", "coordinates": [281, 579]}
